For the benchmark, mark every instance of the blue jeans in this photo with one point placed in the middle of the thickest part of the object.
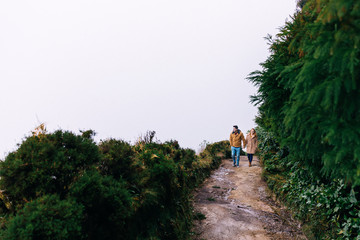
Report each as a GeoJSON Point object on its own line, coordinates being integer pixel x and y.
{"type": "Point", "coordinates": [235, 151]}
{"type": "Point", "coordinates": [250, 157]}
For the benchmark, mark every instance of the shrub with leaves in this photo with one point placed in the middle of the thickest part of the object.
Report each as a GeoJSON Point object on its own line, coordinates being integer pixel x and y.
{"type": "Point", "coordinates": [107, 204]}
{"type": "Point", "coordinates": [328, 209]}
{"type": "Point", "coordinates": [116, 190]}
{"type": "Point", "coordinates": [117, 159]}
{"type": "Point", "coordinates": [46, 218]}
{"type": "Point", "coordinates": [46, 164]}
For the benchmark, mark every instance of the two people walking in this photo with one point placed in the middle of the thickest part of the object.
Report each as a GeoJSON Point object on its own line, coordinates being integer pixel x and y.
{"type": "Point", "coordinates": [237, 140]}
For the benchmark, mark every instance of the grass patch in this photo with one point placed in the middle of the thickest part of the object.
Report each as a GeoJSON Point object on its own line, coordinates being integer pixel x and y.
{"type": "Point", "coordinates": [199, 216]}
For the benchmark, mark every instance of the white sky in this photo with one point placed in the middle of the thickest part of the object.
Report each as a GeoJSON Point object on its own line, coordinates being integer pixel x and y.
{"type": "Point", "coordinates": [124, 67]}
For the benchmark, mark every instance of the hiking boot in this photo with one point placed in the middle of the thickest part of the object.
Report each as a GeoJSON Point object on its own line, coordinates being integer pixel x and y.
{"type": "Point", "coordinates": [249, 164]}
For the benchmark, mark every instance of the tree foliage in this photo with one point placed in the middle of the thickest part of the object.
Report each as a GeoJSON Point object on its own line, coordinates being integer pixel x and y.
{"type": "Point", "coordinates": [309, 100]}
{"type": "Point", "coordinates": [309, 93]}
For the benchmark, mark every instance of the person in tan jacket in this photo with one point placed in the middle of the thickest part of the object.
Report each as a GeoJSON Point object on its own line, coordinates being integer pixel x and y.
{"type": "Point", "coordinates": [236, 137]}
{"type": "Point", "coordinates": [251, 144]}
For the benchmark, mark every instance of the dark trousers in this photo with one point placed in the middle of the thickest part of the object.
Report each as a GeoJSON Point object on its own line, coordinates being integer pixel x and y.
{"type": "Point", "coordinates": [250, 157]}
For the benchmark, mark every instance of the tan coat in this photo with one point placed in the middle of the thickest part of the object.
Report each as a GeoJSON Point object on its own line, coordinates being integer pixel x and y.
{"type": "Point", "coordinates": [236, 138]}
{"type": "Point", "coordinates": [251, 144]}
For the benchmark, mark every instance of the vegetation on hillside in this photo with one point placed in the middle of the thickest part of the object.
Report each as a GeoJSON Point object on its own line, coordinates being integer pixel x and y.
{"type": "Point", "coordinates": [62, 185]}
{"type": "Point", "coordinates": [309, 101]}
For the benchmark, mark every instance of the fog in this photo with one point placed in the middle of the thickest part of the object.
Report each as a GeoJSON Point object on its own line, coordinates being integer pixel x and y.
{"type": "Point", "coordinates": [124, 67]}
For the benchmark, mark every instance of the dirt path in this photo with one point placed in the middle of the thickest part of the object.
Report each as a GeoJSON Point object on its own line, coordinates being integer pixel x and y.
{"type": "Point", "coordinates": [236, 206]}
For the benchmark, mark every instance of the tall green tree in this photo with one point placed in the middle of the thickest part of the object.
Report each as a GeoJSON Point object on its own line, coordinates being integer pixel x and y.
{"type": "Point", "coordinates": [309, 93]}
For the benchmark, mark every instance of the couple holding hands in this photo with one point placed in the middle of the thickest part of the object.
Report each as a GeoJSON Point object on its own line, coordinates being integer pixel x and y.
{"type": "Point", "coordinates": [250, 143]}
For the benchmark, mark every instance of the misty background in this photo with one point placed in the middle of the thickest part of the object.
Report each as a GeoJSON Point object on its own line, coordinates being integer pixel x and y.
{"type": "Point", "coordinates": [124, 67]}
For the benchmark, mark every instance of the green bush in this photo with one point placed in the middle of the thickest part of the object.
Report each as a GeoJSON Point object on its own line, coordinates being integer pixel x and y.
{"type": "Point", "coordinates": [329, 210]}
{"type": "Point", "coordinates": [46, 164]}
{"type": "Point", "coordinates": [117, 159]}
{"type": "Point", "coordinates": [116, 190]}
{"type": "Point", "coordinates": [107, 204]}
{"type": "Point", "coordinates": [46, 218]}
{"type": "Point", "coordinates": [221, 149]}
